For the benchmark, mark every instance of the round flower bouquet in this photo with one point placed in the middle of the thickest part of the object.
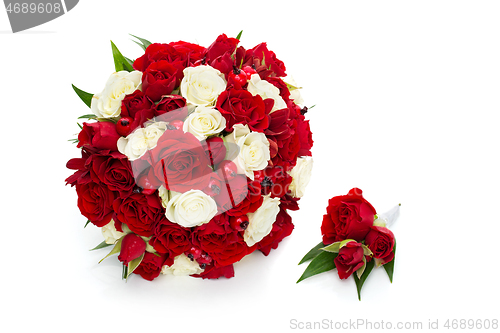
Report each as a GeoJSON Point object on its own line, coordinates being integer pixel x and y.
{"type": "Point", "coordinates": [192, 157]}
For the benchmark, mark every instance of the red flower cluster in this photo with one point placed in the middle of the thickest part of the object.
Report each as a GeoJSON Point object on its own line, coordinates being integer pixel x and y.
{"type": "Point", "coordinates": [121, 191]}
{"type": "Point", "coordinates": [351, 217]}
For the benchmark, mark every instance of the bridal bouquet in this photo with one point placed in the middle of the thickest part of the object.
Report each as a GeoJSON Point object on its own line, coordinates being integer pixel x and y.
{"type": "Point", "coordinates": [355, 240]}
{"type": "Point", "coordinates": [192, 157]}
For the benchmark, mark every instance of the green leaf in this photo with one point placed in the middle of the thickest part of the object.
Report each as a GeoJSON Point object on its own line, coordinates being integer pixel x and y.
{"type": "Point", "coordinates": [130, 61]}
{"type": "Point", "coordinates": [313, 253]}
{"type": "Point", "coordinates": [101, 246]}
{"type": "Point", "coordinates": [361, 270]}
{"type": "Point", "coordinates": [366, 250]}
{"type": "Point", "coordinates": [133, 265]}
{"type": "Point", "coordinates": [144, 43]}
{"type": "Point", "coordinates": [239, 35]}
{"type": "Point", "coordinates": [334, 247]}
{"type": "Point", "coordinates": [84, 96]}
{"type": "Point", "coordinates": [116, 249]}
{"type": "Point", "coordinates": [79, 126]}
{"type": "Point", "coordinates": [359, 281]}
{"type": "Point", "coordinates": [121, 64]}
{"type": "Point", "coordinates": [322, 263]}
{"type": "Point", "coordinates": [88, 116]}
{"type": "Point", "coordinates": [85, 226]}
{"type": "Point", "coordinates": [389, 267]}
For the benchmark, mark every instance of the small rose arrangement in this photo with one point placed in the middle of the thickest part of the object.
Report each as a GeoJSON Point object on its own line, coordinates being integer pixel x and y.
{"type": "Point", "coordinates": [192, 157]}
{"type": "Point", "coordinates": [355, 240]}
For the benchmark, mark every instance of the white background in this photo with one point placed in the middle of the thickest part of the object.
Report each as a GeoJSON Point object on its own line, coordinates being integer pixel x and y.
{"type": "Point", "coordinates": [407, 104]}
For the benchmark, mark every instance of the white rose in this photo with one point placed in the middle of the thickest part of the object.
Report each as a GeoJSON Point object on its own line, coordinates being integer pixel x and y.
{"type": "Point", "coordinates": [153, 131]}
{"type": "Point", "coordinates": [261, 222]}
{"type": "Point", "coordinates": [294, 90]}
{"type": "Point", "coordinates": [254, 151]}
{"type": "Point", "coordinates": [204, 122]}
{"type": "Point", "coordinates": [107, 104]}
{"type": "Point", "coordinates": [301, 175]}
{"type": "Point", "coordinates": [202, 85]}
{"type": "Point", "coordinates": [182, 266]}
{"type": "Point", "coordinates": [190, 209]}
{"type": "Point", "coordinates": [266, 90]}
{"type": "Point", "coordinates": [110, 234]}
{"type": "Point", "coordinates": [164, 195]}
{"type": "Point", "coordinates": [136, 144]}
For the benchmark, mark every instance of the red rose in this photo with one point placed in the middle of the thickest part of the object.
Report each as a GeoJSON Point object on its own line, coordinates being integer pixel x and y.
{"type": "Point", "coordinates": [179, 162]}
{"type": "Point", "coordinates": [279, 128]}
{"type": "Point", "coordinates": [139, 212]}
{"type": "Point", "coordinates": [95, 202]}
{"type": "Point", "coordinates": [191, 52]}
{"type": "Point", "coordinates": [223, 244]}
{"type": "Point", "coordinates": [170, 238]}
{"type": "Point", "coordinates": [349, 259]}
{"type": "Point", "coordinates": [289, 202]}
{"type": "Point", "coordinates": [179, 54]}
{"type": "Point", "coordinates": [288, 151]}
{"type": "Point", "coordinates": [283, 139]}
{"type": "Point", "coordinates": [212, 272]}
{"type": "Point", "coordinates": [348, 217]}
{"type": "Point", "coordinates": [132, 247]}
{"type": "Point", "coordinates": [222, 45]}
{"type": "Point", "coordinates": [274, 180]}
{"type": "Point", "coordinates": [114, 170]}
{"type": "Point", "coordinates": [223, 64]}
{"type": "Point", "coordinates": [82, 174]}
{"type": "Point", "coordinates": [381, 241]}
{"type": "Point", "coordinates": [241, 107]}
{"type": "Point", "coordinates": [151, 265]}
{"type": "Point", "coordinates": [171, 103]}
{"type": "Point", "coordinates": [265, 61]}
{"type": "Point", "coordinates": [282, 228]}
{"type": "Point", "coordinates": [252, 201]}
{"type": "Point", "coordinates": [134, 103]}
{"type": "Point", "coordinates": [305, 138]}
{"type": "Point", "coordinates": [139, 107]}
{"type": "Point", "coordinates": [100, 135]}
{"type": "Point", "coordinates": [159, 79]}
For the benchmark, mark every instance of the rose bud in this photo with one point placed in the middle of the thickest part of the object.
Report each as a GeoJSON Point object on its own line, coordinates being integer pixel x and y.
{"type": "Point", "coordinates": [381, 241]}
{"type": "Point", "coordinates": [349, 259]}
{"type": "Point", "coordinates": [132, 247]}
{"type": "Point", "coordinates": [227, 170]}
{"type": "Point", "coordinates": [101, 135]}
{"type": "Point", "coordinates": [239, 223]}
